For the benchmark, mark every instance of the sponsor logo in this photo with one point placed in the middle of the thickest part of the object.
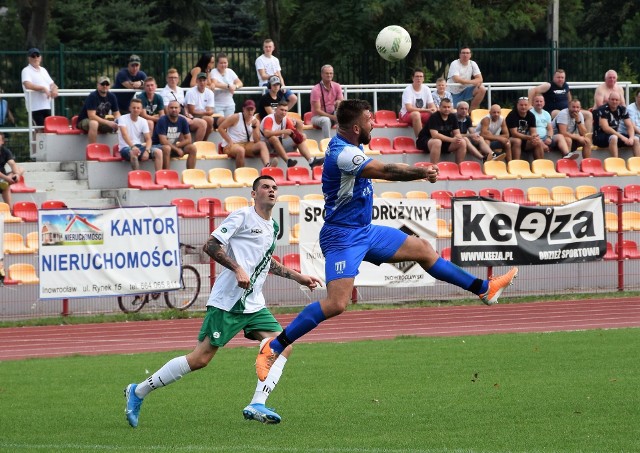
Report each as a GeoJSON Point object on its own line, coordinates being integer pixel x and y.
{"type": "Point", "coordinates": [340, 265]}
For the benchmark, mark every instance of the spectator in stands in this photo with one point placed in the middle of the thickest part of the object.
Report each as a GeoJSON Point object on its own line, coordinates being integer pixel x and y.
{"type": "Point", "coordinates": [557, 95]}
{"type": "Point", "coordinates": [325, 97]}
{"type": "Point", "coordinates": [466, 72]}
{"type": "Point", "coordinates": [6, 116]}
{"type": "Point", "coordinates": [268, 66]}
{"type": "Point", "coordinates": [440, 92]}
{"type": "Point", "coordinates": [199, 102]}
{"type": "Point", "coordinates": [240, 134]}
{"type": "Point", "coordinates": [417, 103]}
{"type": "Point", "coordinates": [172, 92]}
{"type": "Point", "coordinates": [545, 130]}
{"type": "Point", "coordinates": [603, 91]}
{"type": "Point", "coordinates": [37, 79]}
{"type": "Point", "coordinates": [8, 177]}
{"type": "Point", "coordinates": [131, 78]}
{"type": "Point", "coordinates": [269, 101]}
{"type": "Point", "coordinates": [280, 132]}
{"type": "Point", "coordinates": [522, 131]}
{"type": "Point", "coordinates": [570, 123]}
{"type": "Point", "coordinates": [99, 112]}
{"type": "Point", "coordinates": [224, 83]}
{"type": "Point", "coordinates": [172, 136]}
{"type": "Point", "coordinates": [606, 132]}
{"type": "Point", "coordinates": [442, 135]}
{"type": "Point", "coordinates": [476, 146]}
{"type": "Point", "coordinates": [152, 103]}
{"type": "Point", "coordinates": [493, 129]}
{"type": "Point", "coordinates": [634, 114]}
{"type": "Point", "coordinates": [134, 138]}
{"type": "Point", "coordinates": [205, 64]}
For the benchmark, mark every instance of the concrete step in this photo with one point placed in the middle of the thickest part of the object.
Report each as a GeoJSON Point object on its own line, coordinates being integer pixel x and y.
{"type": "Point", "coordinates": [40, 166]}
{"type": "Point", "coordinates": [90, 203]}
{"type": "Point", "coordinates": [43, 176]}
{"type": "Point", "coordinates": [58, 185]}
{"type": "Point", "coordinates": [74, 194]}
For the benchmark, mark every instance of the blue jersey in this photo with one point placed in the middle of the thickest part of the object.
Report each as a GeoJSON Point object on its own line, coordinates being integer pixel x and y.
{"type": "Point", "coordinates": [348, 197]}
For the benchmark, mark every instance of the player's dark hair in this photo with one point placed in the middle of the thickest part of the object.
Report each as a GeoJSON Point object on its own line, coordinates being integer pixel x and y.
{"type": "Point", "coordinates": [349, 111]}
{"type": "Point", "coordinates": [256, 182]}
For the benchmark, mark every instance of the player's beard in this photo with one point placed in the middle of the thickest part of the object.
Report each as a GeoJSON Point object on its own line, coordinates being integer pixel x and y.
{"type": "Point", "coordinates": [364, 138]}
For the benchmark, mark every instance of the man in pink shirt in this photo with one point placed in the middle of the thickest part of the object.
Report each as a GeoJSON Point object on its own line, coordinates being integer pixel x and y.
{"type": "Point", "coordinates": [325, 97]}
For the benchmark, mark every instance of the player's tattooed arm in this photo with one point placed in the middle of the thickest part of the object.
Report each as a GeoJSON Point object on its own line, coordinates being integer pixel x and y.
{"type": "Point", "coordinates": [214, 249]}
{"type": "Point", "coordinates": [396, 172]}
{"type": "Point", "coordinates": [278, 269]}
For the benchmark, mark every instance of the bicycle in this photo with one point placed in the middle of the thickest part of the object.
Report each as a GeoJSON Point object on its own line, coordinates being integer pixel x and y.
{"type": "Point", "coordinates": [179, 299]}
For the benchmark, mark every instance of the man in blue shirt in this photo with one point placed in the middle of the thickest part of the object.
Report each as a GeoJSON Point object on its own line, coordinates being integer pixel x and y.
{"type": "Point", "coordinates": [132, 78]}
{"type": "Point", "coordinates": [173, 136]}
{"type": "Point", "coordinates": [99, 112]}
{"type": "Point", "coordinates": [348, 237]}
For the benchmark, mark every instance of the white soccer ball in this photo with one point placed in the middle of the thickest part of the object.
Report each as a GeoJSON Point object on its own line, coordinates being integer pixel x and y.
{"type": "Point", "coordinates": [393, 43]}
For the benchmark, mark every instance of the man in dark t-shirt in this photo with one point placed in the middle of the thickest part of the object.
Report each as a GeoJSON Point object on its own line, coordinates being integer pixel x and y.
{"type": "Point", "coordinates": [268, 103]}
{"type": "Point", "coordinates": [606, 130]}
{"type": "Point", "coordinates": [442, 135]}
{"type": "Point", "coordinates": [523, 132]}
{"type": "Point", "coordinates": [99, 112]}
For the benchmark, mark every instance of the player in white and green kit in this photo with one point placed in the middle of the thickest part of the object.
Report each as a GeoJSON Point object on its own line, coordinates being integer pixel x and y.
{"type": "Point", "coordinates": [243, 244]}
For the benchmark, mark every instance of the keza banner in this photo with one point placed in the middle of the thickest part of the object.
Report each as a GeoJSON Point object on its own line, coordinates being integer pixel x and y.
{"type": "Point", "coordinates": [91, 252]}
{"type": "Point", "coordinates": [414, 217]}
{"type": "Point", "coordinates": [493, 233]}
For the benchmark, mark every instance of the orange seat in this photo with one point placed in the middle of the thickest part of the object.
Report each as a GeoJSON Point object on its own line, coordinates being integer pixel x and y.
{"type": "Point", "coordinates": [521, 169]}
{"type": "Point", "coordinates": [449, 170]}
{"type": "Point", "coordinates": [563, 194]}
{"type": "Point", "coordinates": [292, 261]}
{"type": "Point", "coordinates": [300, 175]}
{"type": "Point", "coordinates": [314, 148]}
{"type": "Point", "coordinates": [631, 221]}
{"type": "Point", "coordinates": [204, 206]}
{"type": "Point", "coordinates": [545, 169]}
{"type": "Point", "coordinates": [313, 196]}
{"type": "Point", "coordinates": [570, 168]}
{"type": "Point", "coordinates": [633, 164]}
{"type": "Point", "coordinates": [611, 221]}
{"type": "Point", "coordinates": [324, 144]}
{"type": "Point", "coordinates": [382, 144]}
{"type": "Point", "coordinates": [5, 214]}
{"type": "Point", "coordinates": [33, 241]}
{"type": "Point", "coordinates": [59, 125]}
{"type": "Point", "coordinates": [245, 175]}
{"type": "Point", "coordinates": [444, 231]}
{"type": "Point", "coordinates": [491, 193]}
{"type": "Point", "coordinates": [141, 179]}
{"type": "Point", "coordinates": [516, 195]}
{"type": "Point", "coordinates": [593, 167]}
{"type": "Point", "coordinates": [53, 204]}
{"type": "Point", "coordinates": [294, 234]}
{"type": "Point", "coordinates": [585, 191]}
{"type": "Point", "coordinates": [21, 186]}
{"type": "Point", "coordinates": [187, 208]}
{"type": "Point", "coordinates": [23, 273]}
{"type": "Point", "coordinates": [406, 145]}
{"type": "Point", "coordinates": [26, 210]}
{"type": "Point", "coordinates": [278, 175]}
{"type": "Point", "coordinates": [170, 179]}
{"type": "Point", "coordinates": [13, 244]}
{"type": "Point", "coordinates": [472, 170]}
{"type": "Point", "coordinates": [218, 177]}
{"type": "Point", "coordinates": [293, 203]}
{"type": "Point", "coordinates": [477, 115]}
{"type": "Point", "coordinates": [498, 170]}
{"type": "Point", "coordinates": [207, 150]}
{"type": "Point", "coordinates": [618, 166]}
{"type": "Point", "coordinates": [101, 153]}
{"type": "Point", "coordinates": [417, 194]}
{"type": "Point", "coordinates": [442, 198]}
{"type": "Point", "coordinates": [391, 194]}
{"type": "Point", "coordinates": [235, 202]}
{"type": "Point", "coordinates": [542, 196]}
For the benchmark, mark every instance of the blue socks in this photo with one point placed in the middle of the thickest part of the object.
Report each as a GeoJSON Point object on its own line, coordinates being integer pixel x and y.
{"type": "Point", "coordinates": [305, 322]}
{"type": "Point", "coordinates": [448, 272]}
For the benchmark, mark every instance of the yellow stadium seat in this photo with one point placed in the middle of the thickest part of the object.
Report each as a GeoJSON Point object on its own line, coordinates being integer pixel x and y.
{"type": "Point", "coordinates": [207, 150]}
{"type": "Point", "coordinates": [633, 164]}
{"type": "Point", "coordinates": [5, 213]}
{"type": "Point", "coordinates": [314, 148]}
{"type": "Point", "coordinates": [235, 202]}
{"type": "Point", "coordinates": [294, 203]}
{"type": "Point", "coordinates": [370, 152]}
{"type": "Point", "coordinates": [443, 229]}
{"type": "Point", "coordinates": [33, 241]}
{"type": "Point", "coordinates": [477, 115]}
{"type": "Point", "coordinates": [631, 221]}
{"type": "Point", "coordinates": [244, 175]}
{"type": "Point", "coordinates": [498, 170]}
{"type": "Point", "coordinates": [223, 177]}
{"type": "Point", "coordinates": [24, 273]}
{"type": "Point", "coordinates": [563, 194]}
{"type": "Point", "coordinates": [391, 194]}
{"type": "Point", "coordinates": [294, 234]}
{"type": "Point", "coordinates": [545, 169]}
{"type": "Point", "coordinates": [504, 112]}
{"type": "Point", "coordinates": [419, 194]}
{"type": "Point", "coordinates": [13, 244]}
{"type": "Point", "coordinates": [521, 169]}
{"type": "Point", "coordinates": [611, 221]}
{"type": "Point", "coordinates": [197, 178]}
{"type": "Point", "coordinates": [324, 144]}
{"type": "Point", "coordinates": [313, 196]}
{"type": "Point", "coordinates": [618, 166]}
{"type": "Point", "coordinates": [541, 196]}
{"type": "Point", "coordinates": [585, 191]}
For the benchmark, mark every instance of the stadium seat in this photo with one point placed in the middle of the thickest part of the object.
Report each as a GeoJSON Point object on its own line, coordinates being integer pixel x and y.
{"type": "Point", "coordinates": [444, 231]}
{"type": "Point", "coordinates": [450, 171]}
{"type": "Point", "coordinates": [417, 194]}
{"type": "Point", "coordinates": [217, 177]}
{"type": "Point", "coordinates": [306, 118]}
{"type": "Point", "coordinates": [545, 169]}
{"type": "Point", "coordinates": [491, 193]}
{"type": "Point", "coordinates": [471, 169]}
{"type": "Point", "coordinates": [406, 145]}
{"type": "Point", "coordinates": [33, 241]}
{"type": "Point", "coordinates": [277, 174]}
{"type": "Point", "coordinates": [387, 118]}
{"type": "Point", "coordinates": [593, 167]}
{"type": "Point", "coordinates": [294, 234]}
{"type": "Point", "coordinates": [313, 196]}
{"type": "Point", "coordinates": [13, 244]}
{"type": "Point", "coordinates": [563, 194]}
{"type": "Point", "coordinates": [316, 173]}
{"type": "Point", "coordinates": [504, 112]}
{"type": "Point", "coordinates": [21, 187]}
{"type": "Point", "coordinates": [170, 179]}
{"type": "Point", "coordinates": [585, 191]}
{"type": "Point", "coordinates": [141, 179]}
{"type": "Point", "coordinates": [465, 193]}
{"type": "Point", "coordinates": [26, 210]}
{"type": "Point", "coordinates": [59, 125]}
{"type": "Point", "coordinates": [276, 258]}
{"type": "Point", "coordinates": [611, 221]}
{"type": "Point", "coordinates": [521, 169]}
{"type": "Point", "coordinates": [516, 195]}
{"type": "Point", "coordinates": [204, 206]}
{"type": "Point", "coordinates": [245, 175]}
{"type": "Point", "coordinates": [570, 168]}
{"type": "Point", "coordinates": [632, 192]}
{"type": "Point", "coordinates": [477, 115]}
{"type": "Point", "coordinates": [208, 150]}
{"type": "Point", "coordinates": [23, 273]}
{"type": "Point", "coordinates": [631, 221]}
{"type": "Point", "coordinates": [293, 201]}
{"type": "Point", "coordinates": [630, 250]}
{"type": "Point", "coordinates": [382, 144]}
{"type": "Point", "coordinates": [611, 194]}
{"type": "Point", "coordinates": [101, 152]}
{"type": "Point", "coordinates": [442, 198]}
{"type": "Point", "coordinates": [618, 166]}
{"type": "Point", "coordinates": [53, 204]}
{"type": "Point", "coordinates": [445, 253]}
{"type": "Point", "coordinates": [235, 202]}
{"type": "Point", "coordinates": [633, 164]}
{"type": "Point", "coordinates": [314, 148]}
{"type": "Point", "coordinates": [324, 144]}
{"type": "Point", "coordinates": [368, 151]}
{"type": "Point", "coordinates": [187, 208]}
{"type": "Point", "coordinates": [498, 170]}
{"type": "Point", "coordinates": [5, 213]}
{"type": "Point", "coordinates": [300, 175]}
{"type": "Point", "coordinates": [542, 196]}
{"type": "Point", "coordinates": [292, 261]}
{"type": "Point", "coordinates": [611, 253]}
{"type": "Point", "coordinates": [391, 194]}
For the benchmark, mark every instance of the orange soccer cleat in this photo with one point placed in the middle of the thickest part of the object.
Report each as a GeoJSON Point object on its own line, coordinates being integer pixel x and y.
{"type": "Point", "coordinates": [265, 359]}
{"type": "Point", "coordinates": [497, 285]}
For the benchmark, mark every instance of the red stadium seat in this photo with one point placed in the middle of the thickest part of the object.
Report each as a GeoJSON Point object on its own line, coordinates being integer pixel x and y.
{"type": "Point", "coordinates": [21, 187]}
{"type": "Point", "coordinates": [593, 167]}
{"type": "Point", "coordinates": [292, 261]}
{"type": "Point", "coordinates": [516, 195]}
{"type": "Point", "coordinates": [300, 175]}
{"type": "Point", "coordinates": [406, 145]}
{"type": "Point", "coordinates": [491, 193]}
{"type": "Point", "coordinates": [570, 168]}
{"type": "Point", "coordinates": [141, 179]}
{"type": "Point", "coordinates": [170, 179]}
{"type": "Point", "coordinates": [442, 198]}
{"type": "Point", "coordinates": [611, 194]}
{"type": "Point", "coordinates": [387, 118]}
{"type": "Point", "coordinates": [53, 204]}
{"type": "Point", "coordinates": [611, 254]}
{"type": "Point", "coordinates": [218, 210]}
{"type": "Point", "coordinates": [26, 210]}
{"type": "Point", "coordinates": [316, 173]}
{"type": "Point", "coordinates": [187, 208]}
{"type": "Point", "coordinates": [465, 193]}
{"type": "Point", "coordinates": [277, 174]}
{"type": "Point", "coordinates": [445, 253]}
{"type": "Point", "coordinates": [472, 170]}
{"type": "Point", "coordinates": [382, 144]}
{"type": "Point", "coordinates": [632, 192]}
{"type": "Point", "coordinates": [630, 250]}
{"type": "Point", "coordinates": [59, 125]}
{"type": "Point", "coordinates": [101, 153]}
{"type": "Point", "coordinates": [449, 170]}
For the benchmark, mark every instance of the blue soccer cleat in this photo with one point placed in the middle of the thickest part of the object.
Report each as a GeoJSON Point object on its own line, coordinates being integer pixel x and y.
{"type": "Point", "coordinates": [132, 410]}
{"type": "Point", "coordinates": [261, 413]}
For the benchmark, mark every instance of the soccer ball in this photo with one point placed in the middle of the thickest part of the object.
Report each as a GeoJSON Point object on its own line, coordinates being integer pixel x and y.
{"type": "Point", "coordinates": [393, 43]}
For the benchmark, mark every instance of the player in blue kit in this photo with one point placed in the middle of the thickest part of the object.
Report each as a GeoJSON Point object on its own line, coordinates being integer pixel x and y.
{"type": "Point", "coordinates": [348, 237]}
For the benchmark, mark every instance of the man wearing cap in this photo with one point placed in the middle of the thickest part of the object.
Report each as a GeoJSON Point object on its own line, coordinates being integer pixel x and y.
{"type": "Point", "coordinates": [172, 135]}
{"type": "Point", "coordinates": [199, 102]}
{"type": "Point", "coordinates": [99, 111]}
{"type": "Point", "coordinates": [43, 89]}
{"type": "Point", "coordinates": [270, 100]}
{"type": "Point", "coordinates": [268, 66]}
{"type": "Point", "coordinates": [240, 134]}
{"type": "Point", "coordinates": [131, 78]}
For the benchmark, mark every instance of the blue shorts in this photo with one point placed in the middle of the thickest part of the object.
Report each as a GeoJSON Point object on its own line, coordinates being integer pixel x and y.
{"type": "Point", "coordinates": [126, 151]}
{"type": "Point", "coordinates": [345, 248]}
{"type": "Point", "coordinates": [464, 95]}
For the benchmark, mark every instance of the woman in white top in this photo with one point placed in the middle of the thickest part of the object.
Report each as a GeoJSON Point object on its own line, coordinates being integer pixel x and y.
{"type": "Point", "coordinates": [224, 83]}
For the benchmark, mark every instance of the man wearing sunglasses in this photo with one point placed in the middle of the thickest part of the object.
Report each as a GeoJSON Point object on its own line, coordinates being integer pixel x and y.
{"type": "Point", "coordinates": [43, 89]}
{"type": "Point", "coordinates": [99, 111]}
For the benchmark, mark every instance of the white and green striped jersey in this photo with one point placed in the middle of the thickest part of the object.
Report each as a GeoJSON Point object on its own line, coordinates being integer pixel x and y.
{"type": "Point", "coordinates": [250, 240]}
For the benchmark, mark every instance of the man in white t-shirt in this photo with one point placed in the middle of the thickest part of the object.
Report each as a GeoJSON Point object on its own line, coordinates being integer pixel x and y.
{"type": "Point", "coordinates": [570, 123]}
{"type": "Point", "coordinates": [267, 66]}
{"type": "Point", "coordinates": [199, 102]}
{"type": "Point", "coordinates": [243, 245]}
{"type": "Point", "coordinates": [134, 138]}
{"type": "Point", "coordinates": [417, 103]}
{"type": "Point", "coordinates": [43, 89]}
{"type": "Point", "coordinates": [173, 92]}
{"type": "Point", "coordinates": [465, 71]}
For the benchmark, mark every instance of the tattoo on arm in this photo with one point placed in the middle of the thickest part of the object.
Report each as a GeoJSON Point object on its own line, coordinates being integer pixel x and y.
{"type": "Point", "coordinates": [214, 249]}
{"type": "Point", "coordinates": [396, 172]}
{"type": "Point", "coordinates": [278, 269]}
